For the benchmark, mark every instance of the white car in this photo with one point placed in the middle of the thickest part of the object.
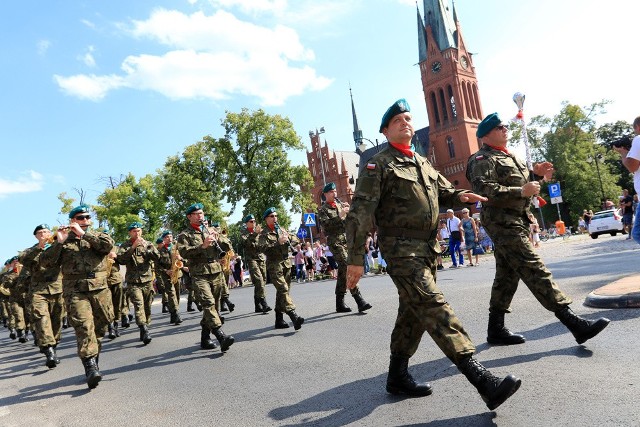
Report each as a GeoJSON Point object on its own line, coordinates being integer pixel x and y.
{"type": "Point", "coordinates": [606, 222]}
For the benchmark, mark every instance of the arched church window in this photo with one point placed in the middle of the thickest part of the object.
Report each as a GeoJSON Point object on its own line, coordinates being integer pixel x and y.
{"type": "Point", "coordinates": [451, 148]}
{"type": "Point", "coordinates": [443, 104]}
{"type": "Point", "coordinates": [434, 108]}
{"type": "Point", "coordinates": [452, 102]}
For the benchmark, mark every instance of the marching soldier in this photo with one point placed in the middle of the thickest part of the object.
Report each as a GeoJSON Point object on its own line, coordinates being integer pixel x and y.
{"type": "Point", "coordinates": [256, 261]}
{"type": "Point", "coordinates": [505, 181]}
{"type": "Point", "coordinates": [399, 192]}
{"type": "Point", "coordinates": [114, 282]}
{"type": "Point", "coordinates": [225, 262]}
{"type": "Point", "coordinates": [46, 291]}
{"type": "Point", "coordinates": [4, 298]}
{"type": "Point", "coordinates": [81, 254]}
{"type": "Point", "coordinates": [331, 217]}
{"type": "Point", "coordinates": [275, 243]}
{"type": "Point", "coordinates": [137, 255]}
{"type": "Point", "coordinates": [159, 282]}
{"type": "Point", "coordinates": [19, 327]}
{"type": "Point", "coordinates": [165, 275]}
{"type": "Point", "coordinates": [198, 245]}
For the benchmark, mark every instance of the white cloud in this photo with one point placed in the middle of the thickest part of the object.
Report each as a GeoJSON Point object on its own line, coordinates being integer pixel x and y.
{"type": "Point", "coordinates": [42, 47]}
{"type": "Point", "coordinates": [88, 58]}
{"type": "Point", "coordinates": [31, 181]}
{"type": "Point", "coordinates": [213, 57]}
{"type": "Point", "coordinates": [88, 23]}
{"type": "Point", "coordinates": [274, 6]}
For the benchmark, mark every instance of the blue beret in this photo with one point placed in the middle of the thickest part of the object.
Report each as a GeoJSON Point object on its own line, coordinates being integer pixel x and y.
{"type": "Point", "coordinates": [268, 212]}
{"type": "Point", "coordinates": [78, 209]}
{"type": "Point", "coordinates": [488, 124]}
{"type": "Point", "coordinates": [248, 218]}
{"type": "Point", "coordinates": [166, 233]}
{"type": "Point", "coordinates": [400, 106]}
{"type": "Point", "coordinates": [15, 258]}
{"type": "Point", "coordinates": [194, 207]}
{"type": "Point", "coordinates": [215, 224]}
{"type": "Point", "coordinates": [40, 227]}
{"type": "Point", "coordinates": [159, 240]}
{"type": "Point", "coordinates": [329, 187]}
{"type": "Point", "coordinates": [133, 225]}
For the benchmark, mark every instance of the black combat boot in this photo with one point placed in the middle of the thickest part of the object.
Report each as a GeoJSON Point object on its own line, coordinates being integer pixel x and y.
{"type": "Point", "coordinates": [144, 334]}
{"type": "Point", "coordinates": [13, 333]}
{"type": "Point", "coordinates": [297, 320]}
{"type": "Point", "coordinates": [175, 318]}
{"type": "Point", "coordinates": [223, 305]}
{"type": "Point", "coordinates": [498, 334]}
{"type": "Point", "coordinates": [110, 334]}
{"type": "Point", "coordinates": [264, 305]}
{"type": "Point", "coordinates": [280, 322]}
{"type": "Point", "coordinates": [4, 322]}
{"type": "Point", "coordinates": [65, 322]}
{"type": "Point", "coordinates": [199, 306]}
{"type": "Point", "coordinates": [225, 340]}
{"type": "Point", "coordinates": [125, 321]}
{"type": "Point", "coordinates": [91, 371]}
{"type": "Point", "coordinates": [362, 304]}
{"type": "Point", "coordinates": [205, 340]}
{"type": "Point", "coordinates": [582, 329]}
{"type": "Point", "coordinates": [493, 390]}
{"type": "Point", "coordinates": [55, 348]}
{"type": "Point", "coordinates": [165, 309]}
{"type": "Point", "coordinates": [190, 304]}
{"type": "Point", "coordinates": [50, 354]}
{"type": "Point", "coordinates": [341, 307]}
{"type": "Point", "coordinates": [116, 330]}
{"type": "Point", "coordinates": [258, 305]}
{"type": "Point", "coordinates": [400, 381]}
{"type": "Point", "coordinates": [231, 306]}
{"type": "Point", "coordinates": [22, 336]}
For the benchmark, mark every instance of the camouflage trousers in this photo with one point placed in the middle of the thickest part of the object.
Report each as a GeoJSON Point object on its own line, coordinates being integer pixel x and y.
{"type": "Point", "coordinates": [204, 287]}
{"type": "Point", "coordinates": [116, 299]}
{"type": "Point", "coordinates": [515, 261]}
{"type": "Point", "coordinates": [124, 308]}
{"type": "Point", "coordinates": [20, 312]}
{"type": "Point", "coordinates": [90, 314]}
{"type": "Point", "coordinates": [422, 307]}
{"type": "Point", "coordinates": [168, 292]}
{"type": "Point", "coordinates": [47, 311]}
{"type": "Point", "coordinates": [225, 283]}
{"type": "Point", "coordinates": [141, 295]}
{"type": "Point", "coordinates": [258, 273]}
{"type": "Point", "coordinates": [340, 255]}
{"type": "Point", "coordinates": [281, 278]}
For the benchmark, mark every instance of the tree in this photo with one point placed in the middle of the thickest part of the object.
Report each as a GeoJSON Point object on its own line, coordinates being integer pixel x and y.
{"type": "Point", "coordinates": [259, 172]}
{"type": "Point", "coordinates": [568, 140]}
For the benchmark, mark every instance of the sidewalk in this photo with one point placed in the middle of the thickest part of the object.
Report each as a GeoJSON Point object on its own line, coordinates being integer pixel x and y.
{"type": "Point", "coordinates": [623, 293]}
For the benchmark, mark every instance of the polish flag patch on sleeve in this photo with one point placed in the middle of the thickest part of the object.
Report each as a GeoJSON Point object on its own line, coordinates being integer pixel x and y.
{"type": "Point", "coordinates": [480, 157]}
{"type": "Point", "coordinates": [371, 166]}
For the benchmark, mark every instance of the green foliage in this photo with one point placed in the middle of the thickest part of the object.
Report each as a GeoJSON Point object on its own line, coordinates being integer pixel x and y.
{"type": "Point", "coordinates": [68, 203]}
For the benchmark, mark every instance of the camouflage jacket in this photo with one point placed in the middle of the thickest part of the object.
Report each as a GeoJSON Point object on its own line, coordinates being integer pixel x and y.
{"type": "Point", "coordinates": [4, 292]}
{"type": "Point", "coordinates": [275, 251]}
{"type": "Point", "coordinates": [9, 280]}
{"type": "Point", "coordinates": [249, 245]}
{"type": "Point", "coordinates": [164, 263]}
{"type": "Point", "coordinates": [331, 223]}
{"type": "Point", "coordinates": [115, 277]}
{"type": "Point", "coordinates": [82, 261]}
{"type": "Point", "coordinates": [201, 260]}
{"type": "Point", "coordinates": [138, 261]}
{"type": "Point", "coordinates": [499, 177]}
{"type": "Point", "coordinates": [400, 196]}
{"type": "Point", "coordinates": [47, 281]}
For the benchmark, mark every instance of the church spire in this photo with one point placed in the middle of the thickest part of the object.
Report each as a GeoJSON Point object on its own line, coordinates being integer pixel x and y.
{"type": "Point", "coordinates": [422, 38]}
{"type": "Point", "coordinates": [357, 133]}
{"type": "Point", "coordinates": [439, 18]}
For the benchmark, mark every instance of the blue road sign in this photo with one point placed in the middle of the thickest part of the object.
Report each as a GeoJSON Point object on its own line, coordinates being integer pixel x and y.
{"type": "Point", "coordinates": [554, 190]}
{"type": "Point", "coordinates": [309, 219]}
{"type": "Point", "coordinates": [302, 232]}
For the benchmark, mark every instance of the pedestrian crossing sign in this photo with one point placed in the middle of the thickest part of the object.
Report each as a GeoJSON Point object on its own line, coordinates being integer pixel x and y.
{"type": "Point", "coordinates": [310, 219]}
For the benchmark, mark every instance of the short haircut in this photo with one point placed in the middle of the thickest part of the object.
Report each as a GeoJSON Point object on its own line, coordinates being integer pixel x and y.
{"type": "Point", "coordinates": [636, 122]}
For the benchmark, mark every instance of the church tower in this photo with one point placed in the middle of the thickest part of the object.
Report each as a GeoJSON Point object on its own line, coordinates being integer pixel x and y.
{"type": "Point", "coordinates": [450, 91]}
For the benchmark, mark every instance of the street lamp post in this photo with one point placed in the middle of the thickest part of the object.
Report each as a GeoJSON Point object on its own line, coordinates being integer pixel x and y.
{"type": "Point", "coordinates": [362, 146]}
{"type": "Point", "coordinates": [597, 159]}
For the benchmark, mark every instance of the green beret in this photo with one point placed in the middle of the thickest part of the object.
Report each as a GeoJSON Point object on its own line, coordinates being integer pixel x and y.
{"type": "Point", "coordinates": [400, 106]}
{"type": "Point", "coordinates": [268, 212]}
{"type": "Point", "coordinates": [133, 225]}
{"type": "Point", "coordinates": [78, 209]}
{"type": "Point", "coordinates": [488, 124]}
{"type": "Point", "coordinates": [15, 258]}
{"type": "Point", "coordinates": [159, 240]}
{"type": "Point", "coordinates": [216, 224]}
{"type": "Point", "coordinates": [329, 187]}
{"type": "Point", "coordinates": [194, 207]}
{"type": "Point", "coordinates": [166, 233]}
{"type": "Point", "coordinates": [40, 227]}
{"type": "Point", "coordinates": [248, 218]}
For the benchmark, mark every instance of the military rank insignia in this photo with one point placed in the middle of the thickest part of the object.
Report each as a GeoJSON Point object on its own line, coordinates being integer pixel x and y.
{"type": "Point", "coordinates": [480, 157]}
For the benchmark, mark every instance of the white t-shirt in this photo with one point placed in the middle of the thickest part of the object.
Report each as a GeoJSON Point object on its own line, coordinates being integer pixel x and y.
{"type": "Point", "coordinates": [453, 224]}
{"type": "Point", "coordinates": [634, 153]}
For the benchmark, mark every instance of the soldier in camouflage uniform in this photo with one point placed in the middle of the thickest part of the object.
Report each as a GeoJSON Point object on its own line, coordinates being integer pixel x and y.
{"type": "Point", "coordinates": [114, 282]}
{"type": "Point", "coordinates": [399, 192]}
{"type": "Point", "coordinates": [275, 243]}
{"type": "Point", "coordinates": [15, 281]}
{"type": "Point", "coordinates": [46, 295]}
{"type": "Point", "coordinates": [163, 275]}
{"type": "Point", "coordinates": [256, 262]}
{"type": "Point", "coordinates": [222, 298]}
{"type": "Point", "coordinates": [159, 282]}
{"type": "Point", "coordinates": [81, 254]}
{"type": "Point", "coordinates": [331, 217]}
{"type": "Point", "coordinates": [138, 255]}
{"type": "Point", "coordinates": [9, 278]}
{"type": "Point", "coordinates": [4, 298]}
{"type": "Point", "coordinates": [197, 245]}
{"type": "Point", "coordinates": [505, 181]}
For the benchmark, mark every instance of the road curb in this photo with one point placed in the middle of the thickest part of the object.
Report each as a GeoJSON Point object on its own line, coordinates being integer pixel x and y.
{"type": "Point", "coordinates": [623, 293]}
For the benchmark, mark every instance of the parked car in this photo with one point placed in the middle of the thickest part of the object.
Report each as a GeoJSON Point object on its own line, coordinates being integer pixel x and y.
{"type": "Point", "coordinates": [606, 222]}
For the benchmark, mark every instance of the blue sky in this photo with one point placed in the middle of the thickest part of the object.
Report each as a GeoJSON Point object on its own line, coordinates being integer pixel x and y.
{"type": "Point", "coordinates": [95, 89]}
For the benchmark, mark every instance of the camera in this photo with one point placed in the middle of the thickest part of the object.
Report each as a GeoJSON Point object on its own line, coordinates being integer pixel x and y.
{"type": "Point", "coordinates": [624, 142]}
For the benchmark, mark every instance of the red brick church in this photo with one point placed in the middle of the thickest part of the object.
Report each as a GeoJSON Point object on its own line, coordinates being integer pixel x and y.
{"type": "Point", "coordinates": [453, 105]}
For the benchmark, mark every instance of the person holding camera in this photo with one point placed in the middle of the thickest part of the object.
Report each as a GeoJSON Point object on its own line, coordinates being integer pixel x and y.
{"type": "Point", "coordinates": [630, 156]}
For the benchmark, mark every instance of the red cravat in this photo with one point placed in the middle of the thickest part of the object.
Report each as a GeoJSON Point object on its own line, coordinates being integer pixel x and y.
{"type": "Point", "coordinates": [404, 149]}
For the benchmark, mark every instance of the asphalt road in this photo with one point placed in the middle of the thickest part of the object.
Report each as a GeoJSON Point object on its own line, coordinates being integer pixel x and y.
{"type": "Point", "coordinates": [332, 372]}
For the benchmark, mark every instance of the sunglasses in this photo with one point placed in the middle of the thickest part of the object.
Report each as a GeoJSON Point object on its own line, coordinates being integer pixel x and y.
{"type": "Point", "coordinates": [502, 127]}
{"type": "Point", "coordinates": [81, 217]}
